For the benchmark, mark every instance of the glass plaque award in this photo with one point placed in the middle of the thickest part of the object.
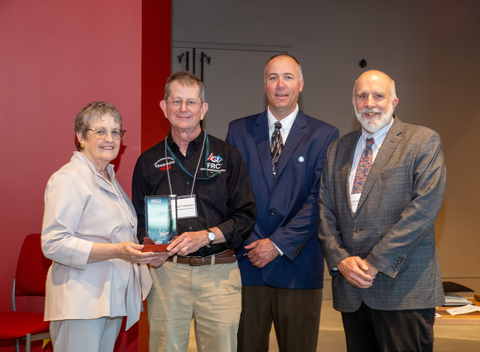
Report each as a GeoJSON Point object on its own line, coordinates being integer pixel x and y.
{"type": "Point", "coordinates": [160, 222]}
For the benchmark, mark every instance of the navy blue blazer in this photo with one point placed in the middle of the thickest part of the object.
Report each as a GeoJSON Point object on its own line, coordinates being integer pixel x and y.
{"type": "Point", "coordinates": [287, 211]}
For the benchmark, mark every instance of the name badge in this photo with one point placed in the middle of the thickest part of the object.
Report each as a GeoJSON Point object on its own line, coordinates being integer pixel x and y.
{"type": "Point", "coordinates": [186, 207]}
{"type": "Point", "coordinates": [354, 199]}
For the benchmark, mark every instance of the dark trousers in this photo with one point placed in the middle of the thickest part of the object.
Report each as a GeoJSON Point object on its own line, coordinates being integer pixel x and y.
{"type": "Point", "coordinates": [295, 315]}
{"type": "Point", "coordinates": [370, 330]}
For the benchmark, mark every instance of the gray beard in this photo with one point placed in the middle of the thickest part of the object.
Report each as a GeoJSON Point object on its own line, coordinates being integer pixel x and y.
{"type": "Point", "coordinates": [377, 124]}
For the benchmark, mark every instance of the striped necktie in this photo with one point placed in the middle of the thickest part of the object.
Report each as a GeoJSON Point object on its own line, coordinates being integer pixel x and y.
{"type": "Point", "coordinates": [363, 167]}
{"type": "Point", "coordinates": [276, 146]}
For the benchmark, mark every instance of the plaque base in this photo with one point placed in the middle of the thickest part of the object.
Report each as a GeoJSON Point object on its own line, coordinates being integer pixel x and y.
{"type": "Point", "coordinates": [150, 246]}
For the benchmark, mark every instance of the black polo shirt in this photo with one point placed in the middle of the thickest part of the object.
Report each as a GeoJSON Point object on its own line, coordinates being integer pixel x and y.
{"type": "Point", "coordinates": [224, 194]}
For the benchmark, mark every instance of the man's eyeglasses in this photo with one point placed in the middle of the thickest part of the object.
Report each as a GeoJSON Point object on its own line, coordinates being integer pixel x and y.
{"type": "Point", "coordinates": [190, 103]}
{"type": "Point", "coordinates": [101, 133]}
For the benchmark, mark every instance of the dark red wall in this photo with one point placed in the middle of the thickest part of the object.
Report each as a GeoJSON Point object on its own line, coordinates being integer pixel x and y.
{"type": "Point", "coordinates": [156, 54]}
{"type": "Point", "coordinates": [55, 58]}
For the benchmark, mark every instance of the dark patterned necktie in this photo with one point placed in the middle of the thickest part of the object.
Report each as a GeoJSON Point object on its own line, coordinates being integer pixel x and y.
{"type": "Point", "coordinates": [363, 167]}
{"type": "Point", "coordinates": [276, 146]}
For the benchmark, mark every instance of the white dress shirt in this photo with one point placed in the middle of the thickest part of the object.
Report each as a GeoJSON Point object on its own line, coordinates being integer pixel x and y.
{"type": "Point", "coordinates": [287, 123]}
{"type": "Point", "coordinates": [378, 137]}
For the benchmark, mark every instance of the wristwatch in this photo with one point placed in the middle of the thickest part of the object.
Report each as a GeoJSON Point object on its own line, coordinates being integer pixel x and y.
{"type": "Point", "coordinates": [211, 237]}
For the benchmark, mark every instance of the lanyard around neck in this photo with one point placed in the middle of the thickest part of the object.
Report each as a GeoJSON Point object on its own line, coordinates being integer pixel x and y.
{"type": "Point", "coordinates": [205, 143]}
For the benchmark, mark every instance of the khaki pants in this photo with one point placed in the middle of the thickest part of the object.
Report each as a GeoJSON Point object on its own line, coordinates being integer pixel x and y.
{"type": "Point", "coordinates": [211, 295]}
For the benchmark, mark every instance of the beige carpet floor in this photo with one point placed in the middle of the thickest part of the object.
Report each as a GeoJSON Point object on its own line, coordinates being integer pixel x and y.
{"type": "Point", "coordinates": [448, 338]}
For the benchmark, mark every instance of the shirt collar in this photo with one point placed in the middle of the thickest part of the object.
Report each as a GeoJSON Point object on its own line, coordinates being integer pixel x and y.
{"type": "Point", "coordinates": [380, 135]}
{"type": "Point", "coordinates": [286, 122]}
{"type": "Point", "coordinates": [82, 157]}
{"type": "Point", "coordinates": [196, 143]}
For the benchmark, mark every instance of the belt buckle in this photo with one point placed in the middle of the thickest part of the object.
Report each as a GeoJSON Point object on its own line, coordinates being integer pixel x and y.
{"type": "Point", "coordinates": [195, 263]}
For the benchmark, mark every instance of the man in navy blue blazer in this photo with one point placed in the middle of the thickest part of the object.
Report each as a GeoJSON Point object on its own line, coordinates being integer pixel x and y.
{"type": "Point", "coordinates": [281, 263]}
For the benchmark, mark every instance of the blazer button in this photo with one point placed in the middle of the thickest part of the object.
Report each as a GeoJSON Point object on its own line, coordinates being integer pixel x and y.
{"type": "Point", "coordinates": [272, 212]}
{"type": "Point", "coordinates": [356, 229]}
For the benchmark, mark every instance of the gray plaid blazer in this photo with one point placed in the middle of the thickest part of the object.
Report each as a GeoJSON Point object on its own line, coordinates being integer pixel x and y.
{"type": "Point", "coordinates": [393, 225]}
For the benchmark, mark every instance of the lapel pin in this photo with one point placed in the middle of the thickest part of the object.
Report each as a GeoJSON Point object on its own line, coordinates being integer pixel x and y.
{"type": "Point", "coordinates": [301, 159]}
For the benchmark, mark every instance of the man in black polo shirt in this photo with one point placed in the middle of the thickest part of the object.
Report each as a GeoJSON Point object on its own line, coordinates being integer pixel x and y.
{"type": "Point", "coordinates": [200, 278]}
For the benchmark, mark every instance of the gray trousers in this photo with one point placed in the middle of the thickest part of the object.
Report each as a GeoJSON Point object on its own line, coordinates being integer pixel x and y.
{"type": "Point", "coordinates": [80, 335]}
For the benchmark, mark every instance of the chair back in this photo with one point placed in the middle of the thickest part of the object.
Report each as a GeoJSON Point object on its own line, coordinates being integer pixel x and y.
{"type": "Point", "coordinates": [32, 268]}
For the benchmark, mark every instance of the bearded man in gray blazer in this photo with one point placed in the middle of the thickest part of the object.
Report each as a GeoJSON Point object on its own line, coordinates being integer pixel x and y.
{"type": "Point", "coordinates": [377, 206]}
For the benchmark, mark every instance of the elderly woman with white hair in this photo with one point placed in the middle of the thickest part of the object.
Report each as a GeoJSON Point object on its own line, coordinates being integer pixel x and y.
{"type": "Point", "coordinates": [89, 230]}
